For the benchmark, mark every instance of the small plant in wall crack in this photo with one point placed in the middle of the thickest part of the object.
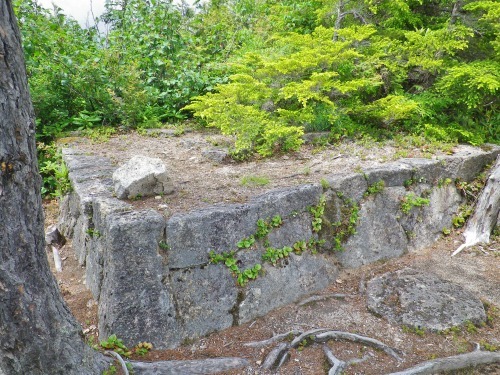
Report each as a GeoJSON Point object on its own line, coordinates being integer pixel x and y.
{"type": "Point", "coordinates": [93, 233]}
{"type": "Point", "coordinates": [230, 261]}
{"type": "Point", "coordinates": [317, 213]}
{"type": "Point", "coordinates": [374, 188]}
{"type": "Point", "coordinates": [411, 200]}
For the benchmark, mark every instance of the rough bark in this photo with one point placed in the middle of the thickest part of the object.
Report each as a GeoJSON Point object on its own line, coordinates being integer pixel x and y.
{"type": "Point", "coordinates": [38, 334]}
{"type": "Point", "coordinates": [484, 219]}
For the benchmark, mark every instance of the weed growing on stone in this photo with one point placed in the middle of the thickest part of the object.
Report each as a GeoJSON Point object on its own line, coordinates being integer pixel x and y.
{"type": "Point", "coordinates": [164, 245]}
{"type": "Point", "coordinates": [245, 243]}
{"type": "Point", "coordinates": [444, 182]}
{"type": "Point", "coordinates": [115, 344]}
{"type": "Point", "coordinates": [413, 181]}
{"type": "Point", "coordinates": [410, 201]}
{"type": "Point", "coordinates": [273, 255]}
{"type": "Point", "coordinates": [324, 183]}
{"type": "Point", "coordinates": [464, 211]}
{"type": "Point", "coordinates": [93, 233]}
{"type": "Point", "coordinates": [374, 188]}
{"type": "Point", "coordinates": [317, 212]}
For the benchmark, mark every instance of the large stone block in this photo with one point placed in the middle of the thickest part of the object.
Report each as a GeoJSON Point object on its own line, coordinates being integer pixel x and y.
{"type": "Point", "coordinates": [205, 298]}
{"type": "Point", "coordinates": [142, 176]}
{"type": "Point", "coordinates": [424, 225]}
{"type": "Point", "coordinates": [102, 208]}
{"type": "Point", "coordinates": [379, 234]}
{"type": "Point", "coordinates": [293, 278]}
{"type": "Point", "coordinates": [193, 235]}
{"type": "Point", "coordinates": [134, 302]}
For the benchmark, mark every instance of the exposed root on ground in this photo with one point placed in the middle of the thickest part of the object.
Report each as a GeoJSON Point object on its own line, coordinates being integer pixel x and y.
{"type": "Point", "coordinates": [453, 363]}
{"type": "Point", "coordinates": [280, 353]}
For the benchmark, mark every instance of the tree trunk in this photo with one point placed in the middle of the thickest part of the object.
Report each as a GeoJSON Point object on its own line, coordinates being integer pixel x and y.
{"type": "Point", "coordinates": [38, 334]}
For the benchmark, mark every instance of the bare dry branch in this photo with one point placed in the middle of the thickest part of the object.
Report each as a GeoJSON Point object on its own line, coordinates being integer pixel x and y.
{"type": "Point", "coordinates": [453, 363]}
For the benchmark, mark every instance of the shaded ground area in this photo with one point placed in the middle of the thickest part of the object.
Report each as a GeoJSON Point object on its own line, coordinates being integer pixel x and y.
{"type": "Point", "coordinates": [476, 269]}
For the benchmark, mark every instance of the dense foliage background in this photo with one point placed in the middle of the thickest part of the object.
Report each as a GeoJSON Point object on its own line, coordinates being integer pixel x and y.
{"type": "Point", "coordinates": [269, 70]}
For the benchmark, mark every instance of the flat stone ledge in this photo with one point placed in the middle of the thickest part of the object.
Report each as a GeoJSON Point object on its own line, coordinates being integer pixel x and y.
{"type": "Point", "coordinates": [422, 300]}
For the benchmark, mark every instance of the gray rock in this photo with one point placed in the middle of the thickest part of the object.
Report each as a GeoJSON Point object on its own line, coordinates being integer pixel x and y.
{"type": "Point", "coordinates": [422, 300]}
{"type": "Point", "coordinates": [379, 234]}
{"type": "Point", "coordinates": [193, 235]}
{"type": "Point", "coordinates": [423, 226]}
{"type": "Point", "coordinates": [351, 185]}
{"type": "Point", "coordinates": [205, 298]}
{"type": "Point", "coordinates": [216, 155]}
{"type": "Point", "coordinates": [393, 174]}
{"type": "Point", "coordinates": [286, 283]}
{"type": "Point", "coordinates": [96, 241]}
{"type": "Point", "coordinates": [134, 302]}
{"type": "Point", "coordinates": [143, 176]}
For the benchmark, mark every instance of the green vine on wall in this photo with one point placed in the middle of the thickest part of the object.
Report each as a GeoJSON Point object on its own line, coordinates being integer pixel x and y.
{"type": "Point", "coordinates": [274, 256]}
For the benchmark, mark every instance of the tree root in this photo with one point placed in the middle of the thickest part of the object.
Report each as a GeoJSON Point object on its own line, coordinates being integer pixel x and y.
{"type": "Point", "coordinates": [119, 358]}
{"type": "Point", "coordinates": [280, 337]}
{"type": "Point", "coordinates": [337, 365]}
{"type": "Point", "coordinates": [279, 354]}
{"type": "Point", "coordinates": [368, 341]}
{"type": "Point", "coordinates": [452, 363]}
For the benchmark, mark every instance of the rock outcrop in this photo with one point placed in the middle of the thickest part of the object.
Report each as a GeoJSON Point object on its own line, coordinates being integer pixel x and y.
{"type": "Point", "coordinates": [423, 301]}
{"type": "Point", "coordinates": [156, 280]}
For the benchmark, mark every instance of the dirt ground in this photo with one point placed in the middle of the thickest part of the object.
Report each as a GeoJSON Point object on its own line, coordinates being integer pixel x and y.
{"type": "Point", "coordinates": [477, 268]}
{"type": "Point", "coordinates": [200, 182]}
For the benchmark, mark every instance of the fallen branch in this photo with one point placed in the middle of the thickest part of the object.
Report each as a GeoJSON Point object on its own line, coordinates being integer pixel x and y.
{"type": "Point", "coordinates": [281, 336]}
{"type": "Point", "coordinates": [337, 365]}
{"type": "Point", "coordinates": [485, 215]}
{"type": "Point", "coordinates": [57, 259]}
{"type": "Point", "coordinates": [453, 363]}
{"type": "Point", "coordinates": [338, 335]}
{"type": "Point", "coordinates": [205, 366]}
{"type": "Point", "coordinates": [119, 358]}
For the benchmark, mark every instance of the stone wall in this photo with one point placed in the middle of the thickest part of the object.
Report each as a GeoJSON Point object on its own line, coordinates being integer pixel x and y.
{"type": "Point", "coordinates": [152, 276]}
